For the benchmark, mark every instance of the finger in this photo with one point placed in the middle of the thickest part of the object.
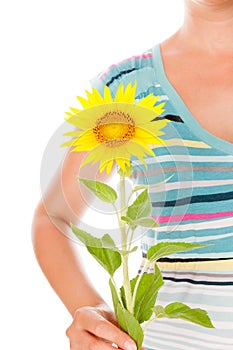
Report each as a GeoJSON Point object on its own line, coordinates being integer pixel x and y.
{"type": "Point", "coordinates": [104, 329]}
{"type": "Point", "coordinates": [89, 341]}
{"type": "Point", "coordinates": [76, 336]}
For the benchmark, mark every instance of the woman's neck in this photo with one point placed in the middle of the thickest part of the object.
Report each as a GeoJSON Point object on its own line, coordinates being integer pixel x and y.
{"type": "Point", "coordinates": [208, 27]}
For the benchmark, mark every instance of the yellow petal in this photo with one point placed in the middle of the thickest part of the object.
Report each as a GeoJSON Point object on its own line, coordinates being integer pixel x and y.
{"type": "Point", "coordinates": [98, 97]}
{"type": "Point", "coordinates": [86, 119]}
{"type": "Point", "coordinates": [121, 152]}
{"type": "Point", "coordinates": [142, 115]}
{"type": "Point", "coordinates": [159, 108]}
{"type": "Point", "coordinates": [138, 149]}
{"type": "Point", "coordinates": [76, 121]}
{"type": "Point", "coordinates": [94, 98]}
{"type": "Point", "coordinates": [90, 158]}
{"type": "Point", "coordinates": [75, 110]}
{"type": "Point", "coordinates": [130, 91]}
{"type": "Point", "coordinates": [148, 101]}
{"type": "Point", "coordinates": [109, 167]}
{"type": "Point", "coordinates": [99, 153]}
{"type": "Point", "coordinates": [123, 164]}
{"type": "Point", "coordinates": [107, 95]}
{"type": "Point", "coordinates": [106, 165]}
{"type": "Point", "coordinates": [139, 153]}
{"type": "Point", "coordinates": [155, 126]}
{"type": "Point", "coordinates": [75, 133]}
{"type": "Point", "coordinates": [143, 136]}
{"type": "Point", "coordinates": [86, 141]}
{"type": "Point", "coordinates": [85, 103]}
{"type": "Point", "coordinates": [69, 114]}
{"type": "Point", "coordinates": [68, 143]}
{"type": "Point", "coordinates": [119, 93]}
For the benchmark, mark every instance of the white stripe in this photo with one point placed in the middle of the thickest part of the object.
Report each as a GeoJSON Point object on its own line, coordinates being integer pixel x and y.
{"type": "Point", "coordinates": [223, 325]}
{"type": "Point", "coordinates": [171, 343]}
{"type": "Point", "coordinates": [171, 288]}
{"type": "Point", "coordinates": [216, 223]}
{"type": "Point", "coordinates": [205, 255]}
{"type": "Point", "coordinates": [216, 255]}
{"type": "Point", "coordinates": [185, 158]}
{"type": "Point", "coordinates": [189, 184]}
{"type": "Point", "coordinates": [196, 277]}
{"type": "Point", "coordinates": [163, 98]}
{"type": "Point", "coordinates": [221, 309]}
{"type": "Point", "coordinates": [218, 324]}
{"type": "Point", "coordinates": [191, 341]}
{"type": "Point", "coordinates": [160, 327]}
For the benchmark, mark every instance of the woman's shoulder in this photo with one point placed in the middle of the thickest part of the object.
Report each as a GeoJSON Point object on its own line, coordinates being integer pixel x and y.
{"type": "Point", "coordinates": [128, 69]}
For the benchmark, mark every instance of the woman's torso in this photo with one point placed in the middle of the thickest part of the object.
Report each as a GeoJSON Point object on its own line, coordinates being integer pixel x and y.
{"type": "Point", "coordinates": [195, 205]}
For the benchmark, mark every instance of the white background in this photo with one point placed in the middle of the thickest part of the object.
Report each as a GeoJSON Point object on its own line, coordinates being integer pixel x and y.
{"type": "Point", "coordinates": [49, 51]}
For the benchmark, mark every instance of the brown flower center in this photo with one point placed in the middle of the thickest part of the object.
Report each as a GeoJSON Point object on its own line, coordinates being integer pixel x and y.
{"type": "Point", "coordinates": [114, 128]}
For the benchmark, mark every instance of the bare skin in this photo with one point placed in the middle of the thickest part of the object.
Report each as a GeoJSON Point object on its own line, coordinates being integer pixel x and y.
{"type": "Point", "coordinates": [198, 61]}
{"type": "Point", "coordinates": [94, 324]}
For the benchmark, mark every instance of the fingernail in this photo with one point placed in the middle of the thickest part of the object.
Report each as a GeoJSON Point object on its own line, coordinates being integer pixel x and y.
{"type": "Point", "coordinates": [130, 346]}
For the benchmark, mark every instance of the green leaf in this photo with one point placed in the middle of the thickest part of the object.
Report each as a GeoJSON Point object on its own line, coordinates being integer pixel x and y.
{"type": "Point", "coordinates": [146, 294]}
{"type": "Point", "coordinates": [108, 258]}
{"type": "Point", "coordinates": [115, 298]}
{"type": "Point", "coordinates": [133, 249]}
{"type": "Point", "coordinates": [123, 298]}
{"type": "Point", "coordinates": [141, 207]}
{"type": "Point", "coordinates": [143, 221]}
{"type": "Point", "coordinates": [133, 282]}
{"type": "Point", "coordinates": [141, 187]}
{"type": "Point", "coordinates": [126, 219]}
{"type": "Point", "coordinates": [86, 237]}
{"type": "Point", "coordinates": [159, 311]}
{"type": "Point", "coordinates": [127, 252]}
{"type": "Point", "coordinates": [108, 242]}
{"type": "Point", "coordinates": [182, 311]}
{"type": "Point", "coordinates": [104, 192]}
{"type": "Point", "coordinates": [127, 172]}
{"type": "Point", "coordinates": [164, 249]}
{"type": "Point", "coordinates": [130, 325]}
{"type": "Point", "coordinates": [146, 222]}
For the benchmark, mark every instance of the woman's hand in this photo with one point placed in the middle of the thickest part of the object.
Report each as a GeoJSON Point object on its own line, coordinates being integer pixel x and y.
{"type": "Point", "coordinates": [96, 328]}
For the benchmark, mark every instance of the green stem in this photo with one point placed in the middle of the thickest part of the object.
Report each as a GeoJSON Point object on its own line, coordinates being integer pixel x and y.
{"type": "Point", "coordinates": [117, 214]}
{"type": "Point", "coordinates": [131, 238]}
{"type": "Point", "coordinates": [125, 257]}
{"type": "Point", "coordinates": [147, 264]}
{"type": "Point", "coordinates": [148, 323]}
{"type": "Point", "coordinates": [131, 195]}
{"type": "Point", "coordinates": [127, 233]}
{"type": "Point", "coordinates": [117, 290]}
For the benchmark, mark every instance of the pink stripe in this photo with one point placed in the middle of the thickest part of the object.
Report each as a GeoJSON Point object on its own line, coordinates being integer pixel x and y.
{"type": "Point", "coordinates": [145, 55]}
{"type": "Point", "coordinates": [178, 218]}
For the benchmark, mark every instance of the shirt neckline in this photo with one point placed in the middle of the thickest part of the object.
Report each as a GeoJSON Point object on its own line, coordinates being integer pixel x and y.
{"type": "Point", "coordinates": [179, 104]}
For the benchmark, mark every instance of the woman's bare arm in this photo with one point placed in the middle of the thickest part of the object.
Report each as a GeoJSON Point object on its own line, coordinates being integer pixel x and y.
{"type": "Point", "coordinates": [57, 255]}
{"type": "Point", "coordinates": [65, 202]}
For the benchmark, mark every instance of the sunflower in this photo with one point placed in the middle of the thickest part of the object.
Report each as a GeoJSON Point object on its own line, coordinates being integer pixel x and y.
{"type": "Point", "coordinates": [112, 130]}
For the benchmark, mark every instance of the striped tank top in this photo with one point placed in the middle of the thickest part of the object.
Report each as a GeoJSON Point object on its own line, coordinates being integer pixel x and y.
{"type": "Point", "coordinates": [195, 205]}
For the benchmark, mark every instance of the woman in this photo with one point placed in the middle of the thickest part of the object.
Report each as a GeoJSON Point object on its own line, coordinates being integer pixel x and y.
{"type": "Point", "coordinates": [193, 72]}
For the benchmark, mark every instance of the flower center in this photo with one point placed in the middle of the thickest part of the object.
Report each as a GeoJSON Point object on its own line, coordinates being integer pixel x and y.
{"type": "Point", "coordinates": [114, 128]}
